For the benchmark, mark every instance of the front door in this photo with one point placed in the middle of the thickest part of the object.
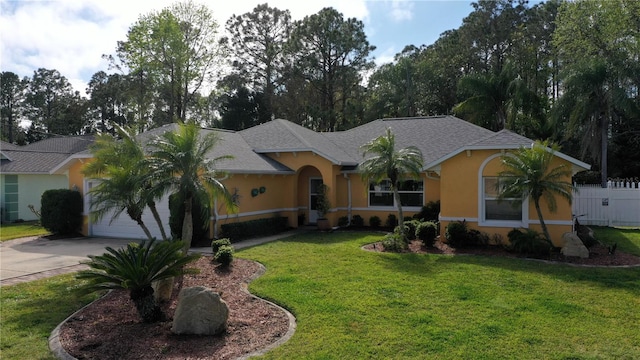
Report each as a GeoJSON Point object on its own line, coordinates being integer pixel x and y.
{"type": "Point", "coordinates": [314, 184]}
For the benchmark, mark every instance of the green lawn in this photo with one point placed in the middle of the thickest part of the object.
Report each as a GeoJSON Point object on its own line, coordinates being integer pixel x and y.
{"type": "Point", "coordinates": [30, 311]}
{"type": "Point", "coordinates": [628, 239]}
{"type": "Point", "coordinates": [354, 304]}
{"type": "Point", "coordinates": [14, 231]}
{"type": "Point", "coordinates": [350, 303]}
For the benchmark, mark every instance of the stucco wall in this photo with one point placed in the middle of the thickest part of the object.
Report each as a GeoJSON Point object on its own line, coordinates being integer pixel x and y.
{"type": "Point", "coordinates": [461, 197]}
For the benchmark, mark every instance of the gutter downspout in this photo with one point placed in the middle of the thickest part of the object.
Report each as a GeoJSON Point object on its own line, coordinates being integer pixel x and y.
{"type": "Point", "coordinates": [349, 198]}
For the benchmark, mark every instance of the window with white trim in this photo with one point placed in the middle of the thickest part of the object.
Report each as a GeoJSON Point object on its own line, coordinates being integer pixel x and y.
{"type": "Point", "coordinates": [411, 193]}
{"type": "Point", "coordinates": [509, 208]}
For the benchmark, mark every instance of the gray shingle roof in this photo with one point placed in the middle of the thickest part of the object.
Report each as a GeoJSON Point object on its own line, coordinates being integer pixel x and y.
{"type": "Point", "coordinates": [43, 156]}
{"type": "Point", "coordinates": [64, 145]}
{"type": "Point", "coordinates": [7, 146]}
{"type": "Point", "coordinates": [503, 138]}
{"type": "Point", "coordinates": [282, 135]}
{"type": "Point", "coordinates": [435, 136]}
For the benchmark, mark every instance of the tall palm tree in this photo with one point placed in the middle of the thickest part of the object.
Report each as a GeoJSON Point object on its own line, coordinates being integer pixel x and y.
{"type": "Point", "coordinates": [180, 160]}
{"type": "Point", "coordinates": [497, 101]}
{"type": "Point", "coordinates": [593, 96]}
{"type": "Point", "coordinates": [389, 163]}
{"type": "Point", "coordinates": [528, 173]}
{"type": "Point", "coordinates": [125, 184]}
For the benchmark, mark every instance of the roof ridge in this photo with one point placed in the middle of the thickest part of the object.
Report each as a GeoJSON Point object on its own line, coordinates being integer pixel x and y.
{"type": "Point", "coordinates": [288, 124]}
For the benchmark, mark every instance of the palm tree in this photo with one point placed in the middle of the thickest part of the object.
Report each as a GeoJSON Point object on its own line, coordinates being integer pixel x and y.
{"type": "Point", "coordinates": [497, 101]}
{"type": "Point", "coordinates": [387, 163]}
{"type": "Point", "coordinates": [528, 173]}
{"type": "Point", "coordinates": [125, 184]}
{"type": "Point", "coordinates": [592, 99]}
{"type": "Point", "coordinates": [180, 160]}
{"type": "Point", "coordinates": [135, 268]}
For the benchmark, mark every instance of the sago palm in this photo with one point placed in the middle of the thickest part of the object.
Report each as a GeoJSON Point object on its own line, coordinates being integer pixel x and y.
{"type": "Point", "coordinates": [135, 268]}
{"type": "Point", "coordinates": [528, 173]}
{"type": "Point", "coordinates": [180, 161]}
{"type": "Point", "coordinates": [388, 163]}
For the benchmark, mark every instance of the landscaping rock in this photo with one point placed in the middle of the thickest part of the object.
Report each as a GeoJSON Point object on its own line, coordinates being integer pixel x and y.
{"type": "Point", "coordinates": [200, 311]}
{"type": "Point", "coordinates": [573, 246]}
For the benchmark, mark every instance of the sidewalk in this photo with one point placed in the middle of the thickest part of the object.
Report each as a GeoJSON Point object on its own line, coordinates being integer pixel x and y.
{"type": "Point", "coordinates": [34, 258]}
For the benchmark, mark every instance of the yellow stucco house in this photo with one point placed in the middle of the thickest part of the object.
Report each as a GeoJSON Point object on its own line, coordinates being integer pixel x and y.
{"type": "Point", "coordinates": [278, 165]}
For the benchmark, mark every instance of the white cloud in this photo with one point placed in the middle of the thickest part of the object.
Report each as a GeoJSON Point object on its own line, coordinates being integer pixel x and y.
{"type": "Point", "coordinates": [386, 56]}
{"type": "Point", "coordinates": [401, 11]}
{"type": "Point", "coordinates": [72, 35]}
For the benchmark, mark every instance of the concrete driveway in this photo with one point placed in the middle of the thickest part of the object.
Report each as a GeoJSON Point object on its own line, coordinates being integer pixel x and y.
{"type": "Point", "coordinates": [32, 258]}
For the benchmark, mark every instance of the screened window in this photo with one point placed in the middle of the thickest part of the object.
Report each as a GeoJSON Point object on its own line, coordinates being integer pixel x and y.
{"type": "Point", "coordinates": [411, 193]}
{"type": "Point", "coordinates": [509, 208]}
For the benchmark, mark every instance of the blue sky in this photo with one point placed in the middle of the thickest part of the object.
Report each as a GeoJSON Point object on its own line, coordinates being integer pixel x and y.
{"type": "Point", "coordinates": [71, 35]}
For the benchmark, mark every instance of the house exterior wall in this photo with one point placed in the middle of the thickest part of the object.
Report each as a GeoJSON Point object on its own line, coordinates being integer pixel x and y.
{"type": "Point", "coordinates": [461, 197]}
{"type": "Point", "coordinates": [279, 197]}
{"type": "Point", "coordinates": [360, 199]}
{"type": "Point", "coordinates": [30, 190]}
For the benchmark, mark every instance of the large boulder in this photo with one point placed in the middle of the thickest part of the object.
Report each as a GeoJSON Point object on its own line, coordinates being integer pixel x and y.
{"type": "Point", "coordinates": [200, 311]}
{"type": "Point", "coordinates": [573, 246]}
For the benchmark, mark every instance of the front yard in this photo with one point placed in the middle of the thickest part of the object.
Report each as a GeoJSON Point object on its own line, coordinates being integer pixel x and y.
{"type": "Point", "coordinates": [350, 303]}
{"type": "Point", "coordinates": [18, 230]}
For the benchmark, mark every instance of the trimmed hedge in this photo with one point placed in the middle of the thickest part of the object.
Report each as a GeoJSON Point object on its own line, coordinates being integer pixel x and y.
{"type": "Point", "coordinates": [253, 228]}
{"type": "Point", "coordinates": [61, 211]}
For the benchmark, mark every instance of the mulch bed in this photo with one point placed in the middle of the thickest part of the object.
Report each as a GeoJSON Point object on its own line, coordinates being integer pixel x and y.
{"type": "Point", "coordinates": [598, 254]}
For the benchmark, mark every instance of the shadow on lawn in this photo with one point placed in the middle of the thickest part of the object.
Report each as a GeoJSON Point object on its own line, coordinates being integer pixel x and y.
{"type": "Point", "coordinates": [621, 236]}
{"type": "Point", "coordinates": [421, 263]}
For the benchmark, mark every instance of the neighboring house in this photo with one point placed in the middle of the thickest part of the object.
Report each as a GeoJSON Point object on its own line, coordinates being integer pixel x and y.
{"type": "Point", "coordinates": [278, 165]}
{"type": "Point", "coordinates": [27, 171]}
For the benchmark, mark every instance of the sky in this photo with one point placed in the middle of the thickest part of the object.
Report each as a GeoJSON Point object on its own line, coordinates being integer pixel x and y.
{"type": "Point", "coordinates": [72, 35]}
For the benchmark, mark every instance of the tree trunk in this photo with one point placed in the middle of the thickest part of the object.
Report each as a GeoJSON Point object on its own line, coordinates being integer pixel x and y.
{"type": "Point", "coordinates": [604, 141]}
{"type": "Point", "coordinates": [542, 224]}
{"type": "Point", "coordinates": [187, 223]}
{"type": "Point", "coordinates": [396, 195]}
{"type": "Point", "coordinates": [156, 216]}
{"type": "Point", "coordinates": [146, 305]}
{"type": "Point", "coordinates": [144, 228]}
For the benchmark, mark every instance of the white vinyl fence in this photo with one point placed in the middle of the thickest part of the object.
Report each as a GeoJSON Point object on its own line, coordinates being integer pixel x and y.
{"type": "Point", "coordinates": [616, 205]}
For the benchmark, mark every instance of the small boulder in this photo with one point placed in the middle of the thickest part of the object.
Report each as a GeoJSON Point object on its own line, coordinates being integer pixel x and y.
{"type": "Point", "coordinates": [200, 311]}
{"type": "Point", "coordinates": [573, 246]}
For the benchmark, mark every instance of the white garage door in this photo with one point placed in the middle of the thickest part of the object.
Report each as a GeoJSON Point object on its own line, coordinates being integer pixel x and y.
{"type": "Point", "coordinates": [124, 227]}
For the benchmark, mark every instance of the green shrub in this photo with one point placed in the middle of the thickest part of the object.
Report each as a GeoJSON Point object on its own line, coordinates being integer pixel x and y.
{"type": "Point", "coordinates": [357, 220]}
{"type": "Point", "coordinates": [411, 225]}
{"type": "Point", "coordinates": [529, 242]}
{"type": "Point", "coordinates": [343, 221]}
{"type": "Point", "coordinates": [394, 242]}
{"type": "Point", "coordinates": [477, 238]}
{"type": "Point", "coordinates": [224, 255]}
{"type": "Point", "coordinates": [392, 221]}
{"type": "Point", "coordinates": [375, 221]}
{"type": "Point", "coordinates": [61, 211]}
{"type": "Point", "coordinates": [216, 244]}
{"type": "Point", "coordinates": [260, 227]}
{"type": "Point", "coordinates": [456, 233]}
{"type": "Point", "coordinates": [427, 232]}
{"type": "Point", "coordinates": [199, 215]}
{"type": "Point", "coordinates": [429, 212]}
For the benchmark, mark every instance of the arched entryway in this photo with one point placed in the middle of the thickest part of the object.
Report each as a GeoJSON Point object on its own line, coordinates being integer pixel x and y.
{"type": "Point", "coordinates": [309, 180]}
